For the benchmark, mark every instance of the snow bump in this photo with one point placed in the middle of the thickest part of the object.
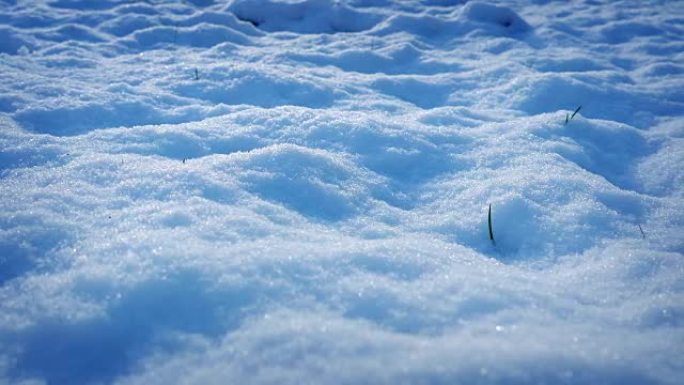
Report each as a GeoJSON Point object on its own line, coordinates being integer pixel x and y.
{"type": "Point", "coordinates": [299, 191]}
{"type": "Point", "coordinates": [305, 16]}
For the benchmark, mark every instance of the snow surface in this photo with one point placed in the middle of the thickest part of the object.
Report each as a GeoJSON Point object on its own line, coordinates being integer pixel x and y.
{"type": "Point", "coordinates": [296, 192]}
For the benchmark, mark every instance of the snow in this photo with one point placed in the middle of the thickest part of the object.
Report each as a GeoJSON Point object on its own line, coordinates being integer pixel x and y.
{"type": "Point", "coordinates": [296, 191]}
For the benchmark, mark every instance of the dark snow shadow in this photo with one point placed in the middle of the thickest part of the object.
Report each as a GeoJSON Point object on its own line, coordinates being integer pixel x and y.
{"type": "Point", "coordinates": [99, 350]}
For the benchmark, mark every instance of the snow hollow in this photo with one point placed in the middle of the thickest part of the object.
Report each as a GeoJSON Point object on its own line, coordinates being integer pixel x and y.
{"type": "Point", "coordinates": [299, 192]}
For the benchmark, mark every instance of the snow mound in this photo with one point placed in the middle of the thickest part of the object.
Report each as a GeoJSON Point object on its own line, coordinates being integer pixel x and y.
{"type": "Point", "coordinates": [473, 18]}
{"type": "Point", "coordinates": [299, 191]}
{"type": "Point", "coordinates": [314, 183]}
{"type": "Point", "coordinates": [501, 18]}
{"type": "Point", "coordinates": [305, 16]}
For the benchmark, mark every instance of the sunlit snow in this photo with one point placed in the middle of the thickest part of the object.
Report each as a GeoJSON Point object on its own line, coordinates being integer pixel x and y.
{"type": "Point", "coordinates": [297, 192]}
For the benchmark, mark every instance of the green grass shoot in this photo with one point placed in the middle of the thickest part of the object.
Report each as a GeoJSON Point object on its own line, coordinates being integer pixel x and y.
{"type": "Point", "coordinates": [489, 222]}
{"type": "Point", "coordinates": [569, 117]}
{"type": "Point", "coordinates": [576, 111]}
{"type": "Point", "coordinates": [643, 235]}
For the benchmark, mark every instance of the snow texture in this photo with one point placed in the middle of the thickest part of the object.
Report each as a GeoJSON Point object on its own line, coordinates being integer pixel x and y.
{"type": "Point", "coordinates": [296, 192]}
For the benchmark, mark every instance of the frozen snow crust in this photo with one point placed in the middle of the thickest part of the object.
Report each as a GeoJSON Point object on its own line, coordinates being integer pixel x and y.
{"type": "Point", "coordinates": [296, 192]}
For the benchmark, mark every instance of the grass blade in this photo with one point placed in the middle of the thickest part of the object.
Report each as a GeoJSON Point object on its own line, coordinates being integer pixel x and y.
{"type": "Point", "coordinates": [643, 235]}
{"type": "Point", "coordinates": [489, 220]}
{"type": "Point", "coordinates": [576, 111]}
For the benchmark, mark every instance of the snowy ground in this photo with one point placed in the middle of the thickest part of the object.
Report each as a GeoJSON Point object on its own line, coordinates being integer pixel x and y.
{"type": "Point", "coordinates": [296, 192]}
